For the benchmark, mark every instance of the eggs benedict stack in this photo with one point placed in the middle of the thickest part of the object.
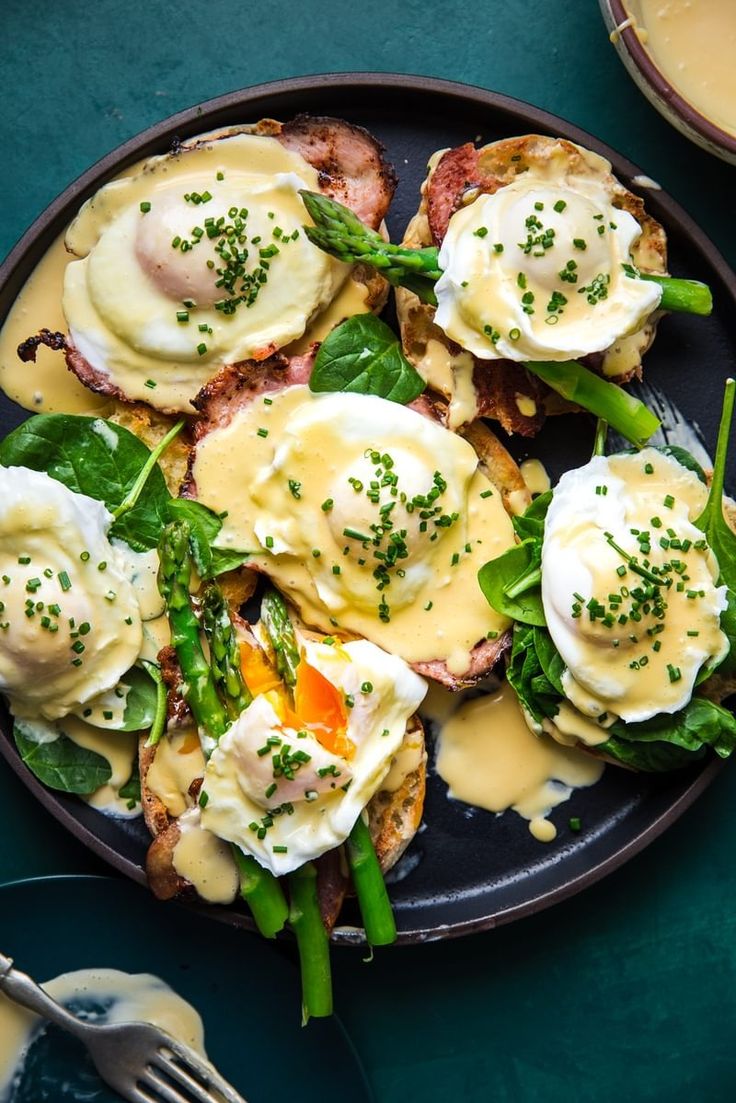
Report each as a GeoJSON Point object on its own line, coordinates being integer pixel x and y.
{"type": "Point", "coordinates": [370, 516]}
{"type": "Point", "coordinates": [198, 258]}
{"type": "Point", "coordinates": [344, 734]}
{"type": "Point", "coordinates": [625, 640]}
{"type": "Point", "coordinates": [539, 247]}
{"type": "Point", "coordinates": [630, 587]}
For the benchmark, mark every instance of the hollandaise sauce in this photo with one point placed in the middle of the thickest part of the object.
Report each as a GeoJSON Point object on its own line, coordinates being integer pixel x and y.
{"type": "Point", "coordinates": [693, 44]}
{"type": "Point", "coordinates": [204, 860]}
{"type": "Point", "coordinates": [47, 386]}
{"type": "Point", "coordinates": [489, 758]}
{"type": "Point", "coordinates": [178, 761]}
{"type": "Point", "coordinates": [106, 996]}
{"type": "Point", "coordinates": [116, 747]}
{"type": "Point", "coordinates": [371, 517]}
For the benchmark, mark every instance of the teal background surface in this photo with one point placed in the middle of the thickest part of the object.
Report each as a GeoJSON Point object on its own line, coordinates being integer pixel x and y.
{"type": "Point", "coordinates": [626, 991]}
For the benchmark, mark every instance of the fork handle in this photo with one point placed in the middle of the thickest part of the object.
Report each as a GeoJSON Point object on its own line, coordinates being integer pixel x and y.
{"type": "Point", "coordinates": [21, 989]}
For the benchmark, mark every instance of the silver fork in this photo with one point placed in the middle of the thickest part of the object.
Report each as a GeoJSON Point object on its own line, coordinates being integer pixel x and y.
{"type": "Point", "coordinates": [141, 1062]}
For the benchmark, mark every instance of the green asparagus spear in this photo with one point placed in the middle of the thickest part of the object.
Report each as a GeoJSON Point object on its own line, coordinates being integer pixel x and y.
{"type": "Point", "coordinates": [340, 233]}
{"type": "Point", "coordinates": [280, 630]}
{"type": "Point", "coordinates": [159, 720]}
{"type": "Point", "coordinates": [624, 413]}
{"type": "Point", "coordinates": [173, 581]}
{"type": "Point", "coordinates": [224, 652]}
{"type": "Point", "coordinates": [313, 942]}
{"type": "Point", "coordinates": [686, 296]}
{"type": "Point", "coordinates": [375, 906]}
{"type": "Point", "coordinates": [262, 892]}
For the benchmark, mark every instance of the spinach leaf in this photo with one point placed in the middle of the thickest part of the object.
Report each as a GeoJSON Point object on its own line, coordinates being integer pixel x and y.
{"type": "Point", "coordinates": [57, 761]}
{"type": "Point", "coordinates": [140, 704]}
{"type": "Point", "coordinates": [140, 690]}
{"type": "Point", "coordinates": [204, 526]}
{"type": "Point", "coordinates": [670, 741]}
{"type": "Point", "coordinates": [511, 583]}
{"type": "Point", "coordinates": [537, 693]}
{"type": "Point", "coordinates": [550, 659]}
{"type": "Point", "coordinates": [131, 791]}
{"type": "Point", "coordinates": [656, 757]}
{"type": "Point", "coordinates": [530, 525]}
{"type": "Point", "coordinates": [98, 458]}
{"type": "Point", "coordinates": [727, 668]}
{"type": "Point", "coordinates": [721, 539]}
{"type": "Point", "coordinates": [684, 458]}
{"type": "Point", "coordinates": [364, 356]}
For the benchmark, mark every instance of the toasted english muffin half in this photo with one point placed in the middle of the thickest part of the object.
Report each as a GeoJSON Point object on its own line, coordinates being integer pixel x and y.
{"type": "Point", "coordinates": [502, 389]}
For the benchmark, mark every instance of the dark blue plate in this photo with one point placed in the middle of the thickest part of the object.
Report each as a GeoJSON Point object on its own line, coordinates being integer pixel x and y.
{"type": "Point", "coordinates": [469, 870]}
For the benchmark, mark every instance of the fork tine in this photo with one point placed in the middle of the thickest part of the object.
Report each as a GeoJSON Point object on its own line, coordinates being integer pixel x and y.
{"type": "Point", "coordinates": [196, 1089]}
{"type": "Point", "coordinates": [189, 1063]}
{"type": "Point", "coordinates": [137, 1095]}
{"type": "Point", "coordinates": [163, 1089]}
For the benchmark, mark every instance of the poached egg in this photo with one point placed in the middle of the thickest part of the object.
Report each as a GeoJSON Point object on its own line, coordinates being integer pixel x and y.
{"type": "Point", "coordinates": [195, 261]}
{"type": "Point", "coordinates": [285, 783]}
{"type": "Point", "coordinates": [369, 516]}
{"type": "Point", "coordinates": [630, 587]}
{"type": "Point", "coordinates": [70, 618]}
{"type": "Point", "coordinates": [542, 269]}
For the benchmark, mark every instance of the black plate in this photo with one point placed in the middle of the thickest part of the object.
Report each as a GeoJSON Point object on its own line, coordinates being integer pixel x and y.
{"type": "Point", "coordinates": [467, 870]}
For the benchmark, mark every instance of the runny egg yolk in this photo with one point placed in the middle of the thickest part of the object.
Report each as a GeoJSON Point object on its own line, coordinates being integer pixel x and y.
{"type": "Point", "coordinates": [286, 782]}
{"type": "Point", "coordinates": [321, 708]}
{"type": "Point", "coordinates": [318, 705]}
{"type": "Point", "coordinates": [259, 675]}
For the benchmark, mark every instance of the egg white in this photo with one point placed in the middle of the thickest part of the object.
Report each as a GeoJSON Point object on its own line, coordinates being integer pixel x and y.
{"type": "Point", "coordinates": [501, 297]}
{"type": "Point", "coordinates": [643, 667]}
{"type": "Point", "coordinates": [47, 672]}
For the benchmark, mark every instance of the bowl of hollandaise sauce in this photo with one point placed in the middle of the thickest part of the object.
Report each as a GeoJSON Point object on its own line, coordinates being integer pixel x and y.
{"type": "Point", "coordinates": [681, 54]}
